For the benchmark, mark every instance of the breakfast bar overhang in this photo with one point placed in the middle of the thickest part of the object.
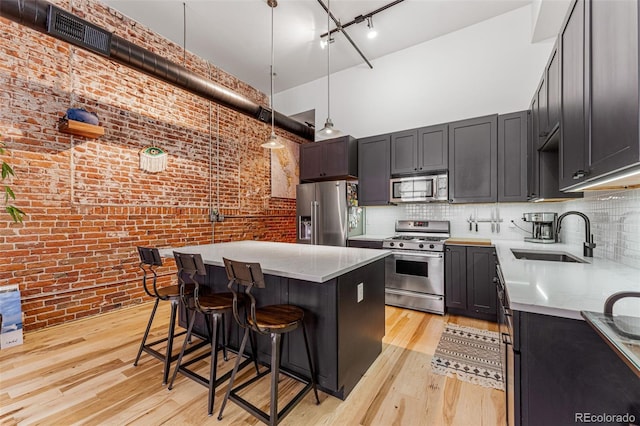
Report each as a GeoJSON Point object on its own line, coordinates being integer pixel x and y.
{"type": "Point", "coordinates": [341, 290]}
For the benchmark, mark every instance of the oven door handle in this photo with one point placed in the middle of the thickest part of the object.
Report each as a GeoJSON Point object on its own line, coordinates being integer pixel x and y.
{"type": "Point", "coordinates": [415, 254]}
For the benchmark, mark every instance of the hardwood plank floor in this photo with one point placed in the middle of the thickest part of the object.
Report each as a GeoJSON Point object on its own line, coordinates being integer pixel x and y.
{"type": "Point", "coordinates": [82, 373]}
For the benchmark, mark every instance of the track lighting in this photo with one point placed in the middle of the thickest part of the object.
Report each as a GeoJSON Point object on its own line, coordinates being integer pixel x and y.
{"type": "Point", "coordinates": [372, 33]}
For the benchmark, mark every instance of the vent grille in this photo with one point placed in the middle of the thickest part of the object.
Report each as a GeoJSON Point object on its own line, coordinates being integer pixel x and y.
{"type": "Point", "coordinates": [69, 27]}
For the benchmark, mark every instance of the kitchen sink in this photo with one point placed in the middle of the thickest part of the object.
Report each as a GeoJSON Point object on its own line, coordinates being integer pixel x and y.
{"type": "Point", "coordinates": [550, 256]}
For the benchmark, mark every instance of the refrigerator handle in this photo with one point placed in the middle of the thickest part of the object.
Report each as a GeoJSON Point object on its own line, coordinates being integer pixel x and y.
{"type": "Point", "coordinates": [313, 222]}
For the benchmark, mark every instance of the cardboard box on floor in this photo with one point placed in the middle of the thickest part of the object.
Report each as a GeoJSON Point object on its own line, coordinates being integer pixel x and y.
{"type": "Point", "coordinates": [10, 317]}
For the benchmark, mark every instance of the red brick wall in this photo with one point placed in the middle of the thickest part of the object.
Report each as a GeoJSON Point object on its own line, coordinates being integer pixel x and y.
{"type": "Point", "coordinates": [88, 205]}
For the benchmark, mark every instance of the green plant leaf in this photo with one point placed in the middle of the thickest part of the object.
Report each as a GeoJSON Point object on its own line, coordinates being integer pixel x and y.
{"type": "Point", "coordinates": [8, 193]}
{"type": "Point", "coordinates": [15, 213]}
{"type": "Point", "coordinates": [6, 170]}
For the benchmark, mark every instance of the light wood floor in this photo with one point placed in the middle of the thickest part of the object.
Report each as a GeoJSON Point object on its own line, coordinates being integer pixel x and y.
{"type": "Point", "coordinates": [82, 373]}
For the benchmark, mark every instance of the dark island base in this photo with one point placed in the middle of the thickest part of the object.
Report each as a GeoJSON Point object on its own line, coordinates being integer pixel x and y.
{"type": "Point", "coordinates": [345, 335]}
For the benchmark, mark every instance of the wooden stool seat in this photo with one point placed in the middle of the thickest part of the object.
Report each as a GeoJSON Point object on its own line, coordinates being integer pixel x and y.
{"type": "Point", "coordinates": [277, 318]}
{"type": "Point", "coordinates": [215, 302]}
{"type": "Point", "coordinates": [171, 291]}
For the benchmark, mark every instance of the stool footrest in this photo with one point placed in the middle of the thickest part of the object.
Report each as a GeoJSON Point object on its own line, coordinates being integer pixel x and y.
{"type": "Point", "coordinates": [248, 406]}
{"type": "Point", "coordinates": [201, 379]}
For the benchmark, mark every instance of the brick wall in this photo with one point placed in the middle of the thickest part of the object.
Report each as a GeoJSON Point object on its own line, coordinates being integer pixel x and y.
{"type": "Point", "coordinates": [88, 205]}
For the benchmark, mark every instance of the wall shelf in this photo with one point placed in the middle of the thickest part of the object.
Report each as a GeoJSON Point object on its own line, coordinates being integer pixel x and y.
{"type": "Point", "coordinates": [79, 128]}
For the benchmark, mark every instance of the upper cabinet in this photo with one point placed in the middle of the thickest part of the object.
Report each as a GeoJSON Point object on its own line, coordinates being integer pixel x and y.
{"type": "Point", "coordinates": [374, 170]}
{"type": "Point", "coordinates": [473, 171]}
{"type": "Point", "coordinates": [329, 159]}
{"type": "Point", "coordinates": [546, 108]}
{"type": "Point", "coordinates": [599, 91]}
{"type": "Point", "coordinates": [513, 137]}
{"type": "Point", "coordinates": [419, 150]}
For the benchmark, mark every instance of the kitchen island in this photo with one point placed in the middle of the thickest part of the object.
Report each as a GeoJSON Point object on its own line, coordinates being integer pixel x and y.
{"type": "Point", "coordinates": [341, 290]}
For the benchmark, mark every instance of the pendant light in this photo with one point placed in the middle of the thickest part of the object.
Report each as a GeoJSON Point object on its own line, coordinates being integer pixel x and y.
{"type": "Point", "coordinates": [272, 142]}
{"type": "Point", "coordinates": [328, 131]}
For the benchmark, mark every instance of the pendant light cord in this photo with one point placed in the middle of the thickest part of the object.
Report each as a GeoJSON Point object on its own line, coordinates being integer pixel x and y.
{"type": "Point", "coordinates": [271, 76]}
{"type": "Point", "coordinates": [328, 61]}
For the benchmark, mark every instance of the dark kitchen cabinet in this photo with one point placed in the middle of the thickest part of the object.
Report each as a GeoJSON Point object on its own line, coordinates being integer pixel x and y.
{"type": "Point", "coordinates": [553, 94]}
{"type": "Point", "coordinates": [372, 244]}
{"type": "Point", "coordinates": [329, 159]}
{"type": "Point", "coordinates": [543, 112]}
{"type": "Point", "coordinates": [419, 150]}
{"type": "Point", "coordinates": [455, 277]}
{"type": "Point", "coordinates": [374, 170]}
{"type": "Point", "coordinates": [533, 184]}
{"type": "Point", "coordinates": [599, 90]}
{"type": "Point", "coordinates": [563, 369]}
{"type": "Point", "coordinates": [548, 102]}
{"type": "Point", "coordinates": [470, 281]}
{"type": "Point", "coordinates": [473, 171]}
{"type": "Point", "coordinates": [573, 107]}
{"type": "Point", "coordinates": [513, 137]}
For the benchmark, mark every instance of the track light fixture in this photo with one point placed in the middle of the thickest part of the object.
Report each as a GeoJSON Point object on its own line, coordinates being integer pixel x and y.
{"type": "Point", "coordinates": [372, 33]}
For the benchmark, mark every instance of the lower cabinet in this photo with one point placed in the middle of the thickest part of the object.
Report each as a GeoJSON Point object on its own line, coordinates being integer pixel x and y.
{"type": "Point", "coordinates": [373, 244]}
{"type": "Point", "coordinates": [470, 281]}
{"type": "Point", "coordinates": [565, 374]}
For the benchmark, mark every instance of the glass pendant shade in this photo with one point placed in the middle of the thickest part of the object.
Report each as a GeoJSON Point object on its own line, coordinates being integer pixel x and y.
{"type": "Point", "coordinates": [273, 142]}
{"type": "Point", "coordinates": [328, 131]}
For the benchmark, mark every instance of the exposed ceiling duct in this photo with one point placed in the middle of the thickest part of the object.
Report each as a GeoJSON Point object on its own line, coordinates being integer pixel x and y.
{"type": "Point", "coordinates": [46, 18]}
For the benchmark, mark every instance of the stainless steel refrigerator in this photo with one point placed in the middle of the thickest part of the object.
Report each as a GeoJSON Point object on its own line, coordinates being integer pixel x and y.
{"type": "Point", "coordinates": [328, 213]}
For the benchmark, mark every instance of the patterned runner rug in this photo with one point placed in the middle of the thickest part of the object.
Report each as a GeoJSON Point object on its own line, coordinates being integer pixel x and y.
{"type": "Point", "coordinates": [469, 354]}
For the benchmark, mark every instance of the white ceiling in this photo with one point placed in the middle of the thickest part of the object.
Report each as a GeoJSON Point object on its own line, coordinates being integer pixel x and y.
{"type": "Point", "coordinates": [235, 34]}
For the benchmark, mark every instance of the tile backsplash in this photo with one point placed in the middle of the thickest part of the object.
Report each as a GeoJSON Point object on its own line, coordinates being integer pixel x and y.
{"type": "Point", "coordinates": [614, 217]}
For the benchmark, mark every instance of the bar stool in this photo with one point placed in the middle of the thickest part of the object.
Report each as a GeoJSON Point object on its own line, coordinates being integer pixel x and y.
{"type": "Point", "coordinates": [149, 260]}
{"type": "Point", "coordinates": [214, 306]}
{"type": "Point", "coordinates": [273, 320]}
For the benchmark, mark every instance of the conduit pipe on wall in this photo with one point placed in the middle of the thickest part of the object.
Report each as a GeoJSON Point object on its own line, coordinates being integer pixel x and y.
{"type": "Point", "coordinates": [34, 14]}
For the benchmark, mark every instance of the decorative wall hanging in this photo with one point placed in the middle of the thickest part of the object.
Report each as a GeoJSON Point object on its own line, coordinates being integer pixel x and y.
{"type": "Point", "coordinates": [153, 159]}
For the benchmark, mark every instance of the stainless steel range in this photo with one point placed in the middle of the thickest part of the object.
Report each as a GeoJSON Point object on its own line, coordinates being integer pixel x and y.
{"type": "Point", "coordinates": [414, 273]}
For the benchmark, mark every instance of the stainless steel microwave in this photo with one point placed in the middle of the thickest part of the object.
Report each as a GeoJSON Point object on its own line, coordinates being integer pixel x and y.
{"type": "Point", "coordinates": [419, 189]}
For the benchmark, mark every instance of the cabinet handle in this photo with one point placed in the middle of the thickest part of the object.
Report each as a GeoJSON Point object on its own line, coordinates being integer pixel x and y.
{"type": "Point", "coordinates": [579, 174]}
{"type": "Point", "coordinates": [495, 280]}
{"type": "Point", "coordinates": [448, 249]}
{"type": "Point", "coordinates": [506, 336]}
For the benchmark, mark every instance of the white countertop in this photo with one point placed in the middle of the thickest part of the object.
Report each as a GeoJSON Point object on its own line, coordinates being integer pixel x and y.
{"type": "Point", "coordinates": [564, 289]}
{"type": "Point", "coordinates": [299, 261]}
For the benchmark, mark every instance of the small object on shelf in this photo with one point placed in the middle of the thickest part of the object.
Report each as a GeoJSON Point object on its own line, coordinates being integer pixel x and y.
{"type": "Point", "coordinates": [78, 128]}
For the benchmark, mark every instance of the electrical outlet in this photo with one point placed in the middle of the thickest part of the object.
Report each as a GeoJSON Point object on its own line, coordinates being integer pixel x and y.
{"type": "Point", "coordinates": [360, 292]}
{"type": "Point", "coordinates": [220, 217]}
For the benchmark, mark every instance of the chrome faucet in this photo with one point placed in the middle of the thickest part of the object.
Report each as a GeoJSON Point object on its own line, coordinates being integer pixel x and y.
{"type": "Point", "coordinates": [589, 245]}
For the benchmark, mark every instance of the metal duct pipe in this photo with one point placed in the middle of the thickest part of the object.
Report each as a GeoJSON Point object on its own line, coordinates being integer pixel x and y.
{"type": "Point", "coordinates": [34, 14]}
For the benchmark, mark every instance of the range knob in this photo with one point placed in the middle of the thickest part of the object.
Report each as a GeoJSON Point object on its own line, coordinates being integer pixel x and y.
{"type": "Point", "coordinates": [392, 244]}
{"type": "Point", "coordinates": [420, 245]}
{"type": "Point", "coordinates": [401, 244]}
{"type": "Point", "coordinates": [431, 246]}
